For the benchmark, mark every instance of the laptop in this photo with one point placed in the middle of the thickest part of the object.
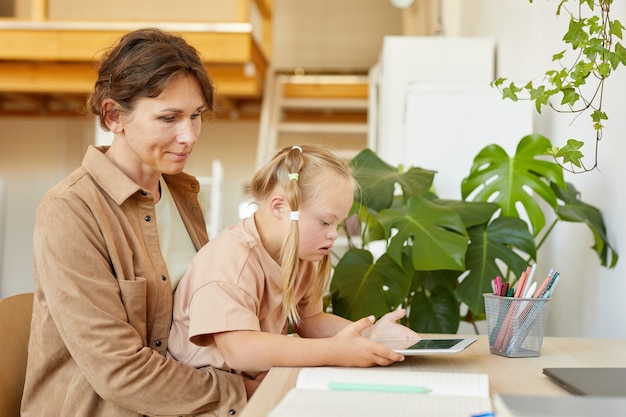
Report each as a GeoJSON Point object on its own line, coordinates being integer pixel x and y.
{"type": "Point", "coordinates": [519, 405]}
{"type": "Point", "coordinates": [590, 381]}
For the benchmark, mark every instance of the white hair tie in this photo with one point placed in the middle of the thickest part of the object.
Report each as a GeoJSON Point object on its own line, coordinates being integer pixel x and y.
{"type": "Point", "coordinates": [294, 215]}
{"type": "Point", "coordinates": [297, 147]}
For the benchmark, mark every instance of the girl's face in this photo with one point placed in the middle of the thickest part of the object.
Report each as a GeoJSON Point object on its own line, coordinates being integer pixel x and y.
{"type": "Point", "coordinates": [160, 133]}
{"type": "Point", "coordinates": [320, 219]}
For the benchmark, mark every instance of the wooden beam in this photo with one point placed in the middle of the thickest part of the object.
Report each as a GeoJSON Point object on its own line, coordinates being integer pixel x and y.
{"type": "Point", "coordinates": [30, 77]}
{"type": "Point", "coordinates": [88, 45]}
{"type": "Point", "coordinates": [224, 48]}
{"type": "Point", "coordinates": [41, 58]}
{"type": "Point", "coordinates": [242, 10]}
{"type": "Point", "coordinates": [39, 10]}
{"type": "Point", "coordinates": [266, 7]}
{"type": "Point", "coordinates": [56, 59]}
{"type": "Point", "coordinates": [232, 81]}
{"type": "Point", "coordinates": [321, 87]}
{"type": "Point", "coordinates": [79, 78]}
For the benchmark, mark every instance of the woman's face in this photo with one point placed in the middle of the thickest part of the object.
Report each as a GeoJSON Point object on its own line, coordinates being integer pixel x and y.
{"type": "Point", "coordinates": [320, 218]}
{"type": "Point", "coordinates": [160, 132]}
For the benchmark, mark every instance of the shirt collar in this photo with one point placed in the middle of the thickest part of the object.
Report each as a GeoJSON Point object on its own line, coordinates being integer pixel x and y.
{"type": "Point", "coordinates": [107, 175]}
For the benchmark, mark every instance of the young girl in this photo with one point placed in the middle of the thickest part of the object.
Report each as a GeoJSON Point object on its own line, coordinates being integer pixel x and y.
{"type": "Point", "coordinates": [233, 305]}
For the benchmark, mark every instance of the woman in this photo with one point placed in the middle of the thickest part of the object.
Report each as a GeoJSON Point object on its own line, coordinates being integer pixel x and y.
{"type": "Point", "coordinates": [111, 241]}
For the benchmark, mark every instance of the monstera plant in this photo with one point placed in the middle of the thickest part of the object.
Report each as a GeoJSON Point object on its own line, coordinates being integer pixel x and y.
{"type": "Point", "coordinates": [436, 257]}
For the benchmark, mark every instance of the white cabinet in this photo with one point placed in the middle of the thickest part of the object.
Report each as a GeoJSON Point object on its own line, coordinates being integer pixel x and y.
{"type": "Point", "coordinates": [431, 106]}
{"type": "Point", "coordinates": [447, 124]}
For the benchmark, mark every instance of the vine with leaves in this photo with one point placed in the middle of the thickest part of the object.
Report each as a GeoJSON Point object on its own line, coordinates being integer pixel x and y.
{"type": "Point", "coordinates": [590, 36]}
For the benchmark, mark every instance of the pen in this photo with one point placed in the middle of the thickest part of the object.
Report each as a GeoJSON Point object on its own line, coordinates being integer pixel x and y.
{"type": "Point", "coordinates": [354, 386]}
{"type": "Point", "coordinates": [530, 291]}
{"type": "Point", "coordinates": [542, 288]}
{"type": "Point", "coordinates": [521, 283]}
{"type": "Point", "coordinates": [505, 289]}
{"type": "Point", "coordinates": [553, 286]}
{"type": "Point", "coordinates": [555, 278]}
{"type": "Point", "coordinates": [529, 280]}
{"type": "Point", "coordinates": [484, 415]}
{"type": "Point", "coordinates": [498, 285]}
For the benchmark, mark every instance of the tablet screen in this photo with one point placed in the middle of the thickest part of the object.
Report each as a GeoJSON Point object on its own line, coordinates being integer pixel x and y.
{"type": "Point", "coordinates": [435, 344]}
{"type": "Point", "coordinates": [429, 345]}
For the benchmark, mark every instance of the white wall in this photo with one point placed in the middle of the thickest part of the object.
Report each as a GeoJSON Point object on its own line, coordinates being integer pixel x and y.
{"type": "Point", "coordinates": [331, 35]}
{"type": "Point", "coordinates": [31, 161]}
{"type": "Point", "coordinates": [589, 298]}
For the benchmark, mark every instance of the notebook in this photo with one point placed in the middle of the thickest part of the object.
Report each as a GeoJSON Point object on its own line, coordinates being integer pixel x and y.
{"type": "Point", "coordinates": [590, 381]}
{"type": "Point", "coordinates": [376, 392]}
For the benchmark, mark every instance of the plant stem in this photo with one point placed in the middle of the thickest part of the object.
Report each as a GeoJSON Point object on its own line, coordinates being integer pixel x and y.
{"type": "Point", "coordinates": [545, 235]}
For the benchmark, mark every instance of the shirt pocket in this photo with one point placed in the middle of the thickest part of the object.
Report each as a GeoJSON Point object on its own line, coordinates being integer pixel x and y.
{"type": "Point", "coordinates": [135, 302]}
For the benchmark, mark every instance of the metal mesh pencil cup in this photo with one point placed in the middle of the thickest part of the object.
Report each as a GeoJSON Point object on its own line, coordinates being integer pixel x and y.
{"type": "Point", "coordinates": [516, 325]}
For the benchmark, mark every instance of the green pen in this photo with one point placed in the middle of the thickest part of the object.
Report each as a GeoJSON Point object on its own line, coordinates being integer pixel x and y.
{"type": "Point", "coordinates": [355, 386]}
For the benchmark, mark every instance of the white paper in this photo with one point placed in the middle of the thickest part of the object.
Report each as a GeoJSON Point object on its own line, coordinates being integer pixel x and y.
{"type": "Point", "coordinates": [451, 395]}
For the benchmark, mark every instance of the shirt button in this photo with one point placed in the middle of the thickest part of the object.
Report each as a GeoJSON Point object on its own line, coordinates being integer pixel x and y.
{"type": "Point", "coordinates": [147, 218]}
{"type": "Point", "coordinates": [144, 193]}
{"type": "Point", "coordinates": [232, 412]}
{"type": "Point", "coordinates": [158, 343]}
{"type": "Point", "coordinates": [163, 278]}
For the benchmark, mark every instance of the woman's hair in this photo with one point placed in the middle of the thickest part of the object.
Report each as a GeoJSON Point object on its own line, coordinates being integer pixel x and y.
{"type": "Point", "coordinates": [302, 173]}
{"type": "Point", "coordinates": [141, 65]}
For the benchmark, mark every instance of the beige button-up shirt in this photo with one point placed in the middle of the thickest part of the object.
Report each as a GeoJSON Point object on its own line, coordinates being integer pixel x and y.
{"type": "Point", "coordinates": [103, 304]}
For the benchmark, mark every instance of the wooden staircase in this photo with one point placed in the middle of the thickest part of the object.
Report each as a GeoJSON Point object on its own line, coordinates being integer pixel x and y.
{"type": "Point", "coordinates": [329, 109]}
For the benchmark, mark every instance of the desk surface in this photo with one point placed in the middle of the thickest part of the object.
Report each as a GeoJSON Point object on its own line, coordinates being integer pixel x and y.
{"type": "Point", "coordinates": [506, 375]}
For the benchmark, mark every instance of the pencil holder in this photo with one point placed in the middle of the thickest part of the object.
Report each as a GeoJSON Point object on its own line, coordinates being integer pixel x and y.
{"type": "Point", "coordinates": [516, 325]}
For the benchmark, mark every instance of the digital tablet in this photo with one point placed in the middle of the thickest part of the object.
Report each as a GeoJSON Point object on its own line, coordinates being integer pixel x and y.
{"type": "Point", "coordinates": [429, 346]}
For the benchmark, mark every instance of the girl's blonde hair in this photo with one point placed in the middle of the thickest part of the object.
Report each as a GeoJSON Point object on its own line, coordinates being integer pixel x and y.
{"type": "Point", "coordinates": [303, 173]}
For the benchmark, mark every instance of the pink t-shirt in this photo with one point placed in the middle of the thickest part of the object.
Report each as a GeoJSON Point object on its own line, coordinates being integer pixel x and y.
{"type": "Point", "coordinates": [232, 284]}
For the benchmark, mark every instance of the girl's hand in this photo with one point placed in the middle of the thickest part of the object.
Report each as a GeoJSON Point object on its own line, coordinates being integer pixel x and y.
{"type": "Point", "coordinates": [351, 348]}
{"type": "Point", "coordinates": [387, 328]}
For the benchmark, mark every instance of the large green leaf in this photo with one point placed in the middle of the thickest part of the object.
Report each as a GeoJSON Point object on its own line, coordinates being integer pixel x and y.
{"type": "Point", "coordinates": [436, 233]}
{"type": "Point", "coordinates": [472, 212]}
{"type": "Point", "coordinates": [370, 228]}
{"type": "Point", "coordinates": [574, 210]}
{"type": "Point", "coordinates": [378, 180]}
{"type": "Point", "coordinates": [442, 309]}
{"type": "Point", "coordinates": [509, 181]}
{"type": "Point", "coordinates": [501, 240]}
{"type": "Point", "coordinates": [428, 280]}
{"type": "Point", "coordinates": [437, 312]}
{"type": "Point", "coordinates": [361, 287]}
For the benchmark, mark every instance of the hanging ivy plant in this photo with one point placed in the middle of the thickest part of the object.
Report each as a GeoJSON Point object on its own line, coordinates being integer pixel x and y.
{"type": "Point", "coordinates": [590, 37]}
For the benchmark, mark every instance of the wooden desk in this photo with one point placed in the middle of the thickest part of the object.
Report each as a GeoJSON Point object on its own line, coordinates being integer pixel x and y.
{"type": "Point", "coordinates": [506, 375]}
